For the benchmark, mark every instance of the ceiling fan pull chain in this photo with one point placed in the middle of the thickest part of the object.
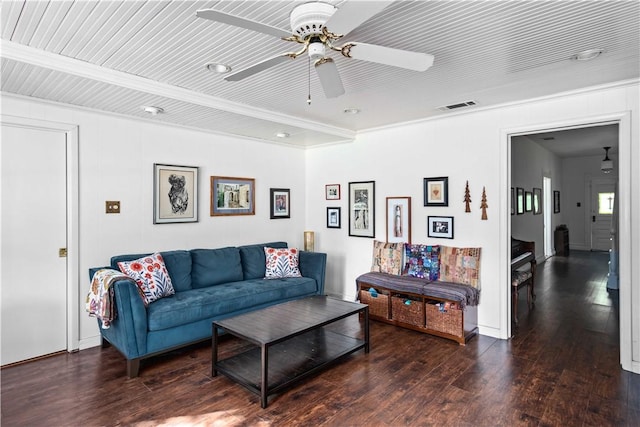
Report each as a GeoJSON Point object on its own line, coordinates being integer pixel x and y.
{"type": "Point", "coordinates": [309, 81]}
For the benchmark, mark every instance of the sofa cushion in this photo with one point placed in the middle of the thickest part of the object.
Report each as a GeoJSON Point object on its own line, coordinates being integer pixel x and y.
{"type": "Point", "coordinates": [216, 301]}
{"type": "Point", "coordinates": [281, 263]}
{"type": "Point", "coordinates": [422, 261]}
{"type": "Point", "coordinates": [253, 259]}
{"type": "Point", "coordinates": [178, 265]}
{"type": "Point", "coordinates": [460, 265]}
{"type": "Point", "coordinates": [387, 257]}
{"type": "Point", "coordinates": [151, 276]}
{"type": "Point", "coordinates": [215, 266]}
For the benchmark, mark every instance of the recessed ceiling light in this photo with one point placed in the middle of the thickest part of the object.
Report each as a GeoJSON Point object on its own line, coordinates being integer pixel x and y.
{"type": "Point", "coordinates": [154, 111]}
{"type": "Point", "coordinates": [351, 111]}
{"type": "Point", "coordinates": [216, 67]}
{"type": "Point", "coordinates": [282, 135]}
{"type": "Point", "coordinates": [587, 55]}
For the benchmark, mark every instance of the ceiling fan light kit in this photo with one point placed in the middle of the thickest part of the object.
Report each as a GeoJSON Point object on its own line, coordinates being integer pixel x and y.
{"type": "Point", "coordinates": [312, 25]}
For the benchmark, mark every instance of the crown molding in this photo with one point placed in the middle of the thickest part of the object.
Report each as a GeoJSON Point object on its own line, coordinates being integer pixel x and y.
{"type": "Point", "coordinates": [40, 58]}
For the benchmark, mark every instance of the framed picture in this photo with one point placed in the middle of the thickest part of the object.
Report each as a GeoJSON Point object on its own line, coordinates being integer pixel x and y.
{"type": "Point", "coordinates": [528, 201]}
{"type": "Point", "coordinates": [513, 201]}
{"type": "Point", "coordinates": [519, 200]}
{"type": "Point", "coordinates": [537, 201]}
{"type": "Point", "coordinates": [556, 201]}
{"type": "Point", "coordinates": [440, 227]}
{"type": "Point", "coordinates": [175, 194]}
{"type": "Point", "coordinates": [232, 196]}
{"type": "Point", "coordinates": [333, 217]}
{"type": "Point", "coordinates": [332, 192]}
{"type": "Point", "coordinates": [362, 205]}
{"type": "Point", "coordinates": [280, 203]}
{"type": "Point", "coordinates": [436, 191]}
{"type": "Point", "coordinates": [399, 219]}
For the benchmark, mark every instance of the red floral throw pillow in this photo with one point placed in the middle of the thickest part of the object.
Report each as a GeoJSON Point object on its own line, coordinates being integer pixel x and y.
{"type": "Point", "coordinates": [281, 262]}
{"type": "Point", "coordinates": [151, 276]}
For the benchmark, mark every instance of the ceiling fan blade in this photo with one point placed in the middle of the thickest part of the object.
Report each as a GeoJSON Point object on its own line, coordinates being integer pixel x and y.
{"type": "Point", "coordinates": [260, 66]}
{"type": "Point", "coordinates": [352, 14]}
{"type": "Point", "coordinates": [237, 21]}
{"type": "Point", "coordinates": [416, 61]}
{"type": "Point", "coordinates": [329, 77]}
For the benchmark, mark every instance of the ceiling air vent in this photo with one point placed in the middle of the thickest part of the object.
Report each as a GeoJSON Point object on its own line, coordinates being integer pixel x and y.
{"type": "Point", "coordinates": [457, 105]}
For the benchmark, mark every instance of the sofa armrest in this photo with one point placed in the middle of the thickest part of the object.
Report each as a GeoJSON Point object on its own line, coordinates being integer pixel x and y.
{"type": "Point", "coordinates": [313, 265]}
{"type": "Point", "coordinates": [128, 331]}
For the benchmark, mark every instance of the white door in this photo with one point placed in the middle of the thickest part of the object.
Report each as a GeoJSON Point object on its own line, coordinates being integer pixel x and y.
{"type": "Point", "coordinates": [33, 284]}
{"type": "Point", "coordinates": [602, 202]}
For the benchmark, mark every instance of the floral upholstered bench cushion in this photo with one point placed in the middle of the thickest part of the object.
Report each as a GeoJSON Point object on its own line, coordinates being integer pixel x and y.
{"type": "Point", "coordinates": [519, 276]}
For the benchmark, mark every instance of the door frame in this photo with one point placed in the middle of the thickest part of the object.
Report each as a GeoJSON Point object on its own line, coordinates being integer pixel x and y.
{"type": "Point", "coordinates": [70, 132]}
{"type": "Point", "coordinates": [623, 119]}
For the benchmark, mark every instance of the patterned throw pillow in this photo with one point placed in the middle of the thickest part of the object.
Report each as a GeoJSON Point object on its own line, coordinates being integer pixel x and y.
{"type": "Point", "coordinates": [460, 265]}
{"type": "Point", "coordinates": [281, 262]}
{"type": "Point", "coordinates": [387, 257]}
{"type": "Point", "coordinates": [422, 261]}
{"type": "Point", "coordinates": [151, 276]}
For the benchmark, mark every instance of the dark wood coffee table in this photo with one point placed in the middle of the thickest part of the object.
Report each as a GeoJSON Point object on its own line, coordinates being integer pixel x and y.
{"type": "Point", "coordinates": [292, 342]}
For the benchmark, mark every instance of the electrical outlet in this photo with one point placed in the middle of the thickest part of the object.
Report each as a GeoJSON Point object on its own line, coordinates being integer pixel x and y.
{"type": "Point", "coordinates": [112, 206]}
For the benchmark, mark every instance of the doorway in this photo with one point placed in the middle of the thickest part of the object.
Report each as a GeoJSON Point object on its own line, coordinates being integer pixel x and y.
{"type": "Point", "coordinates": [39, 228]}
{"type": "Point", "coordinates": [622, 121]}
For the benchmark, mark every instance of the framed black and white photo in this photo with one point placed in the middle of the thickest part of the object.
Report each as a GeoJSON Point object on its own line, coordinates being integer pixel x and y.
{"type": "Point", "coordinates": [232, 196]}
{"type": "Point", "coordinates": [175, 194]}
{"type": "Point", "coordinates": [537, 201]}
{"type": "Point", "coordinates": [333, 217]}
{"type": "Point", "coordinates": [519, 200]}
{"type": "Point", "coordinates": [556, 201]}
{"type": "Point", "coordinates": [332, 192]}
{"type": "Point", "coordinates": [436, 191]}
{"type": "Point", "coordinates": [440, 227]}
{"type": "Point", "coordinates": [528, 201]}
{"type": "Point", "coordinates": [399, 219]}
{"type": "Point", "coordinates": [280, 203]}
{"type": "Point", "coordinates": [362, 205]}
{"type": "Point", "coordinates": [513, 201]}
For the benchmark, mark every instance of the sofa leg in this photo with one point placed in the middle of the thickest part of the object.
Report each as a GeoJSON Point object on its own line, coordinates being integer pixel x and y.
{"type": "Point", "coordinates": [104, 343]}
{"type": "Point", "coordinates": [133, 367]}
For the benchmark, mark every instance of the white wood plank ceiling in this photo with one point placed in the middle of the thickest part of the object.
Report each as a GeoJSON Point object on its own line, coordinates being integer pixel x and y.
{"type": "Point", "coordinates": [116, 56]}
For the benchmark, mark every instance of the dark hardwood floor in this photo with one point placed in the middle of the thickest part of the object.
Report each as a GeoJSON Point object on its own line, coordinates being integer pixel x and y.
{"type": "Point", "coordinates": [561, 369]}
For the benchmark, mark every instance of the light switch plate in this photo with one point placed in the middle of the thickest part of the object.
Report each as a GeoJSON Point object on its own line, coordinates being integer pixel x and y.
{"type": "Point", "coordinates": [112, 206]}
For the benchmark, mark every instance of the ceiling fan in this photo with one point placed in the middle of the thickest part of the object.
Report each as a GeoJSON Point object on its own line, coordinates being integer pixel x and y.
{"type": "Point", "coordinates": [318, 27]}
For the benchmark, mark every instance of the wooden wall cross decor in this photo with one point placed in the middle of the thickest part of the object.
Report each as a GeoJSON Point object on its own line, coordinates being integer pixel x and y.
{"type": "Point", "coordinates": [467, 198]}
{"type": "Point", "coordinates": [484, 204]}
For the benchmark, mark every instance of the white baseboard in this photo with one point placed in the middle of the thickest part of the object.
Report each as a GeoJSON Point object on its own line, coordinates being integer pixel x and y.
{"type": "Point", "coordinates": [89, 342]}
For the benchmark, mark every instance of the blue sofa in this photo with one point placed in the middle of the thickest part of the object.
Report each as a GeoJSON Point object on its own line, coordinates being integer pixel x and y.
{"type": "Point", "coordinates": [210, 284]}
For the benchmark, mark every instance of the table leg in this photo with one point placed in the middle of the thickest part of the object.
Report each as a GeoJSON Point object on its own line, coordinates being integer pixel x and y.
{"type": "Point", "coordinates": [366, 329]}
{"type": "Point", "coordinates": [264, 383]}
{"type": "Point", "coordinates": [214, 351]}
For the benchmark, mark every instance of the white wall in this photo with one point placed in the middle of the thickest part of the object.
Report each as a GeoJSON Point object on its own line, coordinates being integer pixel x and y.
{"type": "Point", "coordinates": [577, 175]}
{"type": "Point", "coordinates": [530, 162]}
{"type": "Point", "coordinates": [116, 157]}
{"type": "Point", "coordinates": [471, 147]}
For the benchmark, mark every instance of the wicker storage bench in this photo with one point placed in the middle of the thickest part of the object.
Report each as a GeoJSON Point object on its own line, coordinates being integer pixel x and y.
{"type": "Point", "coordinates": [444, 309]}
